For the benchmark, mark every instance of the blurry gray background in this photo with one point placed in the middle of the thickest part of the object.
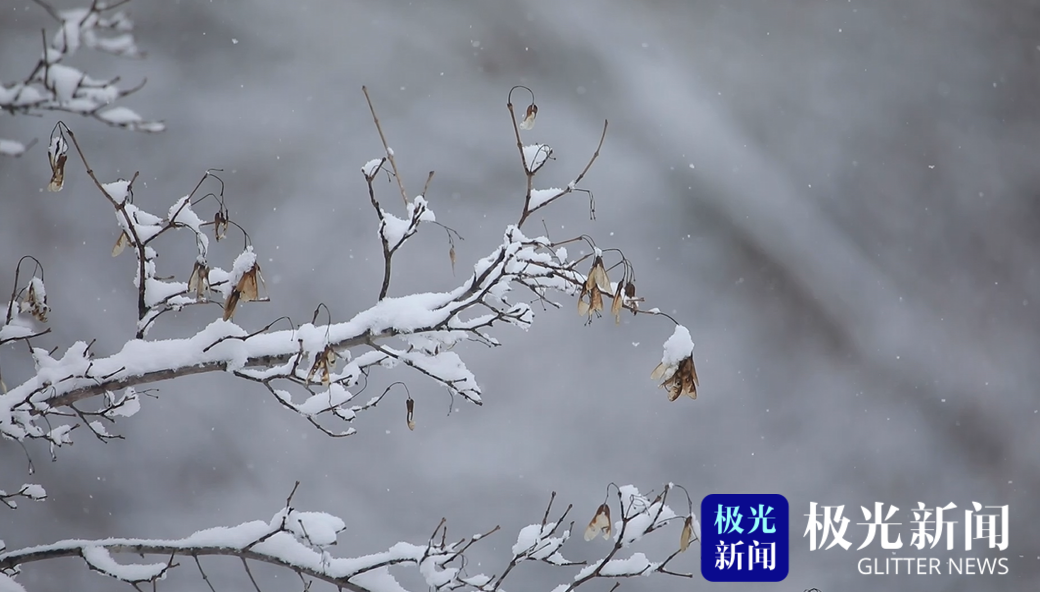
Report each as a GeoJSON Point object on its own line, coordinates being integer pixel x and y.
{"type": "Point", "coordinates": [839, 199]}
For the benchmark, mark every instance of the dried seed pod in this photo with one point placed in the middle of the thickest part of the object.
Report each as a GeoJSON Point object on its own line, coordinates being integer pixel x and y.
{"type": "Point", "coordinates": [317, 365]}
{"type": "Point", "coordinates": [598, 275]}
{"type": "Point", "coordinates": [220, 224]}
{"type": "Point", "coordinates": [324, 363]}
{"type": "Point", "coordinates": [616, 305]}
{"type": "Point", "coordinates": [451, 256]}
{"type": "Point", "coordinates": [630, 294]}
{"type": "Point", "coordinates": [198, 282]}
{"type": "Point", "coordinates": [674, 389]}
{"type": "Point", "coordinates": [583, 306]}
{"type": "Point", "coordinates": [231, 303]}
{"type": "Point", "coordinates": [660, 371]}
{"type": "Point", "coordinates": [600, 523]}
{"type": "Point", "coordinates": [57, 154]}
{"type": "Point", "coordinates": [678, 380]}
{"type": "Point", "coordinates": [121, 244]}
{"type": "Point", "coordinates": [595, 300]}
{"type": "Point", "coordinates": [35, 300]}
{"type": "Point", "coordinates": [687, 534]}
{"type": "Point", "coordinates": [688, 378]}
{"type": "Point", "coordinates": [329, 356]}
{"type": "Point", "coordinates": [410, 413]}
{"type": "Point", "coordinates": [528, 121]}
{"type": "Point", "coordinates": [248, 285]}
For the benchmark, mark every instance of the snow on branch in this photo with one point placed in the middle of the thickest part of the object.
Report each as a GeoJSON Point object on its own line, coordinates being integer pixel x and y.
{"type": "Point", "coordinates": [300, 541]}
{"type": "Point", "coordinates": [534, 156]}
{"type": "Point", "coordinates": [318, 371]}
{"type": "Point", "coordinates": [28, 491]}
{"type": "Point", "coordinates": [54, 85]}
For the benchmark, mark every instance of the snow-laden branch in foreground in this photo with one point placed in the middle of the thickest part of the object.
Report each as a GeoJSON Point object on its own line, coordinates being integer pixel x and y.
{"type": "Point", "coordinates": [427, 325]}
{"type": "Point", "coordinates": [300, 541]}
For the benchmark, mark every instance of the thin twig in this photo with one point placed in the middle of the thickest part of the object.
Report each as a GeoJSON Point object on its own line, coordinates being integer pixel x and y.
{"type": "Point", "coordinates": [386, 147]}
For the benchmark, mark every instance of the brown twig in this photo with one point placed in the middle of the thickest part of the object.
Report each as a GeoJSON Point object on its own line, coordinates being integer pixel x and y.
{"type": "Point", "coordinates": [386, 147]}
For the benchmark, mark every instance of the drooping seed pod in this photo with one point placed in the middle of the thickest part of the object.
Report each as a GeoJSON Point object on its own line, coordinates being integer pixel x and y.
{"type": "Point", "coordinates": [600, 523]}
{"type": "Point", "coordinates": [528, 121]}
{"type": "Point", "coordinates": [57, 154]}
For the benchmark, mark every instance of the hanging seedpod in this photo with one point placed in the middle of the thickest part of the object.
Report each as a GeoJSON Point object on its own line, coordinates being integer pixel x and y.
{"type": "Point", "coordinates": [595, 300]}
{"type": "Point", "coordinates": [598, 275]}
{"type": "Point", "coordinates": [198, 282]}
{"type": "Point", "coordinates": [220, 224]}
{"type": "Point", "coordinates": [659, 372]}
{"type": "Point", "coordinates": [409, 405]}
{"type": "Point", "coordinates": [679, 380]}
{"type": "Point", "coordinates": [688, 378]}
{"type": "Point", "coordinates": [231, 303]}
{"type": "Point", "coordinates": [324, 362]}
{"type": "Point", "coordinates": [596, 283]}
{"type": "Point", "coordinates": [528, 121]}
{"type": "Point", "coordinates": [617, 304]}
{"type": "Point", "coordinates": [248, 285]}
{"type": "Point", "coordinates": [57, 154]}
{"type": "Point", "coordinates": [600, 523]}
{"type": "Point", "coordinates": [687, 534]}
{"type": "Point", "coordinates": [35, 300]}
{"type": "Point", "coordinates": [121, 243]}
{"type": "Point", "coordinates": [246, 290]}
{"type": "Point", "coordinates": [630, 294]}
{"type": "Point", "coordinates": [583, 307]}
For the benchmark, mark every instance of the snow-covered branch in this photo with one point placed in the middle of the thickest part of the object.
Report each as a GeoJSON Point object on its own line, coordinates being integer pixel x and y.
{"type": "Point", "coordinates": [54, 85]}
{"type": "Point", "coordinates": [300, 541]}
{"type": "Point", "coordinates": [315, 370]}
{"type": "Point", "coordinates": [28, 491]}
{"type": "Point", "coordinates": [534, 156]}
{"type": "Point", "coordinates": [324, 361]}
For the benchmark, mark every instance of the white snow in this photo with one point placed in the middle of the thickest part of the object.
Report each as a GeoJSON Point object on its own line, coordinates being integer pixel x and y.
{"type": "Point", "coordinates": [395, 231]}
{"type": "Point", "coordinates": [67, 39]}
{"type": "Point", "coordinates": [527, 539]}
{"type": "Point", "coordinates": [120, 116]}
{"type": "Point", "coordinates": [636, 564]}
{"type": "Point", "coordinates": [119, 44]}
{"type": "Point", "coordinates": [678, 347]}
{"type": "Point", "coordinates": [101, 560]}
{"type": "Point", "coordinates": [9, 585]}
{"type": "Point", "coordinates": [118, 190]}
{"type": "Point", "coordinates": [540, 197]}
{"type": "Point", "coordinates": [98, 95]}
{"type": "Point", "coordinates": [335, 396]}
{"type": "Point", "coordinates": [11, 148]}
{"type": "Point", "coordinates": [181, 213]}
{"type": "Point", "coordinates": [127, 406]}
{"type": "Point", "coordinates": [314, 528]}
{"type": "Point", "coordinates": [64, 80]}
{"type": "Point", "coordinates": [535, 156]}
{"type": "Point", "coordinates": [33, 491]}
{"type": "Point", "coordinates": [371, 167]}
{"type": "Point", "coordinates": [378, 580]}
